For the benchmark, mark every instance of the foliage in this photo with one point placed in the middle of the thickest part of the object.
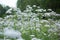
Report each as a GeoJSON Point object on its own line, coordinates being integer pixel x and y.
{"type": "Point", "coordinates": [3, 10]}
{"type": "Point", "coordinates": [46, 4]}
{"type": "Point", "coordinates": [23, 3]}
{"type": "Point", "coordinates": [30, 26]}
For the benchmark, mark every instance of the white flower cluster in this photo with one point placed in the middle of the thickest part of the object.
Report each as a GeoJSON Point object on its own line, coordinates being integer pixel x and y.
{"type": "Point", "coordinates": [11, 33]}
{"type": "Point", "coordinates": [27, 23]}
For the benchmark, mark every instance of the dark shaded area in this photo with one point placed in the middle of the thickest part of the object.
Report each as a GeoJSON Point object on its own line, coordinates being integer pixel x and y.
{"type": "Point", "coordinates": [54, 5]}
{"type": "Point", "coordinates": [3, 10]}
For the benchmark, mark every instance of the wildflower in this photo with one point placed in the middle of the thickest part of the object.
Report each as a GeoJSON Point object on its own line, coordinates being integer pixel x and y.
{"type": "Point", "coordinates": [47, 14]}
{"type": "Point", "coordinates": [47, 25]}
{"type": "Point", "coordinates": [39, 10]}
{"type": "Point", "coordinates": [10, 33]}
{"type": "Point", "coordinates": [44, 10]}
{"type": "Point", "coordinates": [44, 21]}
{"type": "Point", "coordinates": [58, 25]}
{"type": "Point", "coordinates": [34, 5]}
{"type": "Point", "coordinates": [49, 10]}
{"type": "Point", "coordinates": [1, 19]}
{"type": "Point", "coordinates": [38, 7]}
{"type": "Point", "coordinates": [35, 39]}
{"type": "Point", "coordinates": [52, 30]}
{"type": "Point", "coordinates": [32, 36]}
{"type": "Point", "coordinates": [38, 29]}
{"type": "Point", "coordinates": [20, 39]}
{"type": "Point", "coordinates": [53, 13]}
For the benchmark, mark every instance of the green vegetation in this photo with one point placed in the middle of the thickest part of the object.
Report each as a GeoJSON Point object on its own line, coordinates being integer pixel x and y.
{"type": "Point", "coordinates": [33, 20]}
{"type": "Point", "coordinates": [3, 10]}
{"type": "Point", "coordinates": [30, 26]}
{"type": "Point", "coordinates": [46, 4]}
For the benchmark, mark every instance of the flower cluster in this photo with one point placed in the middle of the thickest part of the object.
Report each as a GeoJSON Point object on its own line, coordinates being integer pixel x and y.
{"type": "Point", "coordinates": [29, 24]}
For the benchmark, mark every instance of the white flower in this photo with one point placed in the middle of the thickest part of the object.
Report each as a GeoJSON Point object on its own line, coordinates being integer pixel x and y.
{"type": "Point", "coordinates": [18, 11]}
{"type": "Point", "coordinates": [38, 6]}
{"type": "Point", "coordinates": [47, 25]}
{"type": "Point", "coordinates": [20, 39]}
{"type": "Point", "coordinates": [58, 25]}
{"type": "Point", "coordinates": [28, 8]}
{"type": "Point", "coordinates": [44, 10]}
{"type": "Point", "coordinates": [52, 30]}
{"type": "Point", "coordinates": [39, 10]}
{"type": "Point", "coordinates": [53, 13]}
{"type": "Point", "coordinates": [45, 34]}
{"type": "Point", "coordinates": [35, 39]}
{"type": "Point", "coordinates": [8, 16]}
{"type": "Point", "coordinates": [7, 39]}
{"type": "Point", "coordinates": [57, 15]}
{"type": "Point", "coordinates": [34, 5]}
{"type": "Point", "coordinates": [47, 14]}
{"type": "Point", "coordinates": [1, 19]}
{"type": "Point", "coordinates": [32, 35]}
{"type": "Point", "coordinates": [44, 21]}
{"type": "Point", "coordinates": [38, 29]}
{"type": "Point", "coordinates": [11, 33]}
{"type": "Point", "coordinates": [49, 9]}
